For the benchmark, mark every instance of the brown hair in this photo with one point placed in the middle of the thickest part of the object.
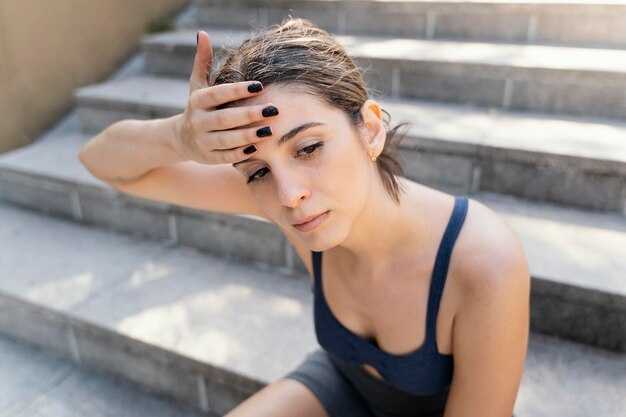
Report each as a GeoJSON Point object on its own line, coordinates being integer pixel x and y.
{"type": "Point", "coordinates": [302, 55]}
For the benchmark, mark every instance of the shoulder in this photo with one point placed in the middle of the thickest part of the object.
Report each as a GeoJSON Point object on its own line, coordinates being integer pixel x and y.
{"type": "Point", "coordinates": [488, 253]}
{"type": "Point", "coordinates": [491, 324]}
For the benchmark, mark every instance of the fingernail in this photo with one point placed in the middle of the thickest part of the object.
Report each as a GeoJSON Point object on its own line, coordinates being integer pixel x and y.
{"type": "Point", "coordinates": [197, 37]}
{"type": "Point", "coordinates": [255, 88]}
{"type": "Point", "coordinates": [270, 111]}
{"type": "Point", "coordinates": [249, 149]}
{"type": "Point", "coordinates": [264, 131]}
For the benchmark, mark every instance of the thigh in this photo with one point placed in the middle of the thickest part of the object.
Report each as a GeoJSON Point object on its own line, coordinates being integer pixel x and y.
{"type": "Point", "coordinates": [315, 388]}
{"type": "Point", "coordinates": [283, 398]}
{"type": "Point", "coordinates": [335, 392]}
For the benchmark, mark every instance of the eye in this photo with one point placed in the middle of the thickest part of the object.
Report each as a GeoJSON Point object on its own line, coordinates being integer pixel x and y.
{"type": "Point", "coordinates": [312, 149]}
{"type": "Point", "coordinates": [306, 152]}
{"type": "Point", "coordinates": [253, 177]}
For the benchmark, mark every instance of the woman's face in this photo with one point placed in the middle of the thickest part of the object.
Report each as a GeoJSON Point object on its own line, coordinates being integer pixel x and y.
{"type": "Point", "coordinates": [312, 164]}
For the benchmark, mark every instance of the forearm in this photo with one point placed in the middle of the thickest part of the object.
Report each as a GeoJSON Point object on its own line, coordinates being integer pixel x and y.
{"type": "Point", "coordinates": [128, 149]}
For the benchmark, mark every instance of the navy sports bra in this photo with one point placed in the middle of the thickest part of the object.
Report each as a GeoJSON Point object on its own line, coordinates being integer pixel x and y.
{"type": "Point", "coordinates": [423, 371]}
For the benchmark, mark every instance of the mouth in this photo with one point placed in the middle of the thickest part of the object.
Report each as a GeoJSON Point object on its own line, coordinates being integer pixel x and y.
{"type": "Point", "coordinates": [311, 223]}
{"type": "Point", "coordinates": [307, 219]}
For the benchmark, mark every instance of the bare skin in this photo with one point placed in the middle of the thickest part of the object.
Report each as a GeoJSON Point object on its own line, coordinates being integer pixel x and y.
{"type": "Point", "coordinates": [377, 289]}
{"type": "Point", "coordinates": [378, 255]}
{"type": "Point", "coordinates": [392, 311]}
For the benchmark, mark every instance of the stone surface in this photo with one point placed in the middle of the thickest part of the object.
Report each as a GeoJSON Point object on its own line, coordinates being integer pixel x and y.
{"type": "Point", "coordinates": [567, 379]}
{"type": "Point", "coordinates": [510, 151]}
{"type": "Point", "coordinates": [116, 333]}
{"type": "Point", "coordinates": [76, 267]}
{"type": "Point", "coordinates": [184, 315]}
{"type": "Point", "coordinates": [583, 246]}
{"type": "Point", "coordinates": [234, 237]}
{"type": "Point", "coordinates": [580, 136]}
{"type": "Point", "coordinates": [36, 382]}
{"type": "Point", "coordinates": [557, 242]}
{"type": "Point", "coordinates": [123, 288]}
{"type": "Point", "coordinates": [551, 79]}
{"type": "Point", "coordinates": [27, 372]}
{"type": "Point", "coordinates": [211, 331]}
{"type": "Point", "coordinates": [590, 23]}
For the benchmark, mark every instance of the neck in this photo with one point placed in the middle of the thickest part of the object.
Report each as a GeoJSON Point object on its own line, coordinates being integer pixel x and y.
{"type": "Point", "coordinates": [381, 235]}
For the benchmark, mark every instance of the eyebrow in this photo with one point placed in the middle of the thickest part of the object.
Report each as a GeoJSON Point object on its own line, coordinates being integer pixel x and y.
{"type": "Point", "coordinates": [292, 133]}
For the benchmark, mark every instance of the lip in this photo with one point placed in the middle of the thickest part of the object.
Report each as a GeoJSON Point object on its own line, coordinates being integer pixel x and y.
{"type": "Point", "coordinates": [312, 222]}
{"type": "Point", "coordinates": [307, 219]}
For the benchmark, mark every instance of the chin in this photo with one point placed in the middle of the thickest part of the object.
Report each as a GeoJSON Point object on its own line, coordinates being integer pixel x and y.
{"type": "Point", "coordinates": [321, 247]}
{"type": "Point", "coordinates": [324, 240]}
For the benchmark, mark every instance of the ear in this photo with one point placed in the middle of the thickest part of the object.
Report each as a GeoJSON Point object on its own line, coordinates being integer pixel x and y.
{"type": "Point", "coordinates": [374, 134]}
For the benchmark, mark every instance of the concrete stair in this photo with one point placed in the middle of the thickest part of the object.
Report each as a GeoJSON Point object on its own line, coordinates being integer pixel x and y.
{"type": "Point", "coordinates": [208, 332]}
{"type": "Point", "coordinates": [570, 22]}
{"type": "Point", "coordinates": [542, 78]}
{"type": "Point", "coordinates": [137, 287]}
{"type": "Point", "coordinates": [579, 291]}
{"type": "Point", "coordinates": [35, 382]}
{"type": "Point", "coordinates": [571, 161]}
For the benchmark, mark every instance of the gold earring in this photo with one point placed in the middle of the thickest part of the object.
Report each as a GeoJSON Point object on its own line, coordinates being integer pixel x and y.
{"type": "Point", "coordinates": [372, 158]}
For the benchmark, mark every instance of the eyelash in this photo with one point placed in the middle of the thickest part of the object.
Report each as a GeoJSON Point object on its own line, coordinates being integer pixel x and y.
{"type": "Point", "coordinates": [316, 147]}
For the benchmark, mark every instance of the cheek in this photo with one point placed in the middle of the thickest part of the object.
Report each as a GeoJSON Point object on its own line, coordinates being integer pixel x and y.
{"type": "Point", "coordinates": [347, 177]}
{"type": "Point", "coordinates": [264, 200]}
{"type": "Point", "coordinates": [339, 174]}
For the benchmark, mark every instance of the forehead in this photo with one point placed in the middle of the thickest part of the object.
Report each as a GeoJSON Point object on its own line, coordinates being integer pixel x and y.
{"type": "Point", "coordinates": [293, 105]}
{"type": "Point", "coordinates": [295, 108]}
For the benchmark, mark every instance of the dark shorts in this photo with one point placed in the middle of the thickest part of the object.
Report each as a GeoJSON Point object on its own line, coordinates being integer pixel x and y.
{"type": "Point", "coordinates": [350, 391]}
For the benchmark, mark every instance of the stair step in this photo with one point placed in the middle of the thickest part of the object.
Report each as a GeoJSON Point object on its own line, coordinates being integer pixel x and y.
{"type": "Point", "coordinates": [578, 283]}
{"type": "Point", "coordinates": [210, 321]}
{"type": "Point", "coordinates": [590, 23]}
{"type": "Point", "coordinates": [572, 161]}
{"type": "Point", "coordinates": [58, 183]}
{"type": "Point", "coordinates": [172, 318]}
{"type": "Point", "coordinates": [541, 78]}
{"type": "Point", "coordinates": [38, 382]}
{"type": "Point", "coordinates": [209, 332]}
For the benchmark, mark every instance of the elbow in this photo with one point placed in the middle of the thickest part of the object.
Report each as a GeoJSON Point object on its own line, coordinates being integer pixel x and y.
{"type": "Point", "coordinates": [86, 160]}
{"type": "Point", "coordinates": [83, 157]}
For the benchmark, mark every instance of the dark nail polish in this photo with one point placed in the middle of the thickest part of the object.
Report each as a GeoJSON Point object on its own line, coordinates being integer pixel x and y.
{"type": "Point", "coordinates": [197, 38]}
{"type": "Point", "coordinates": [264, 131]}
{"type": "Point", "coordinates": [270, 111]}
{"type": "Point", "coordinates": [255, 88]}
{"type": "Point", "coordinates": [249, 149]}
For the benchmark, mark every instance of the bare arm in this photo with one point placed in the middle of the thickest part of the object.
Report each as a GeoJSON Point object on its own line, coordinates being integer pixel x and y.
{"type": "Point", "coordinates": [186, 159]}
{"type": "Point", "coordinates": [127, 150]}
{"type": "Point", "coordinates": [491, 326]}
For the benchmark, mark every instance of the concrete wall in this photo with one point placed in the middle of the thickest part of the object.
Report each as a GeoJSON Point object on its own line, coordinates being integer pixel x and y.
{"type": "Point", "coordinates": [48, 48]}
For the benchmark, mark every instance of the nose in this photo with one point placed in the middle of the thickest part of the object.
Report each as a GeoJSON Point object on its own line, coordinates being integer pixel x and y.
{"type": "Point", "coordinates": [291, 189]}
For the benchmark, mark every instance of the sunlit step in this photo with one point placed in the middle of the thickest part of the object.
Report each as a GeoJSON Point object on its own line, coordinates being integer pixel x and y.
{"type": "Point", "coordinates": [568, 160]}
{"type": "Point", "coordinates": [590, 23]}
{"type": "Point", "coordinates": [211, 333]}
{"type": "Point", "coordinates": [575, 256]}
{"type": "Point", "coordinates": [547, 79]}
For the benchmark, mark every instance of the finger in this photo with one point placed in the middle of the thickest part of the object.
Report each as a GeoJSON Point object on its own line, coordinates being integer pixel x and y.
{"type": "Point", "coordinates": [233, 117]}
{"type": "Point", "coordinates": [216, 95]}
{"type": "Point", "coordinates": [236, 138]}
{"type": "Point", "coordinates": [201, 72]}
{"type": "Point", "coordinates": [232, 156]}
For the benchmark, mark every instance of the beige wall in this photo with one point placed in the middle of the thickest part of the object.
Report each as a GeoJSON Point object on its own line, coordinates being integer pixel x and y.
{"type": "Point", "coordinates": [49, 48]}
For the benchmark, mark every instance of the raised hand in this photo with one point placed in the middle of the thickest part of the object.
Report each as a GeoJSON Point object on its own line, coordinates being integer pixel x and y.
{"type": "Point", "coordinates": [211, 136]}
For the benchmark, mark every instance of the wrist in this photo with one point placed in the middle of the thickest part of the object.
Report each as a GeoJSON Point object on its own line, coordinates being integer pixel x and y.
{"type": "Point", "coordinates": [173, 128]}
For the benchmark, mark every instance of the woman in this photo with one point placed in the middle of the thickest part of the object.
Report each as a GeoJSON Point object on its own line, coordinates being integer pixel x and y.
{"type": "Point", "coordinates": [421, 297]}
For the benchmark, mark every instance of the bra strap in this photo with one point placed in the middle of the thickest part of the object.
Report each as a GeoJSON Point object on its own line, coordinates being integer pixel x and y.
{"type": "Point", "coordinates": [442, 262]}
